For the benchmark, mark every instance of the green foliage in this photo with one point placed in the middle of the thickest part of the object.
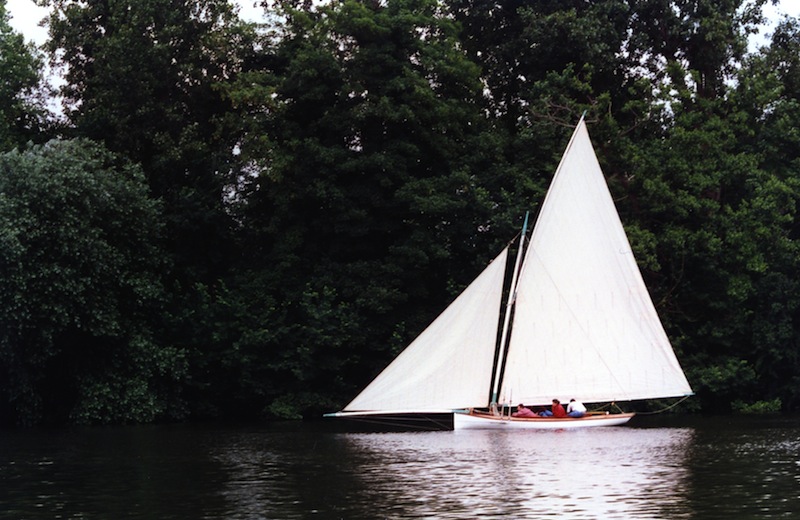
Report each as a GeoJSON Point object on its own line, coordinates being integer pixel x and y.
{"type": "Point", "coordinates": [288, 406]}
{"type": "Point", "coordinates": [22, 112]}
{"type": "Point", "coordinates": [758, 407]}
{"type": "Point", "coordinates": [80, 291]}
{"type": "Point", "coordinates": [722, 378]}
{"type": "Point", "coordinates": [151, 80]}
{"type": "Point", "coordinates": [327, 183]}
{"type": "Point", "coordinates": [146, 78]}
{"type": "Point", "coordinates": [369, 190]}
{"type": "Point", "coordinates": [701, 41]}
{"type": "Point", "coordinates": [139, 389]}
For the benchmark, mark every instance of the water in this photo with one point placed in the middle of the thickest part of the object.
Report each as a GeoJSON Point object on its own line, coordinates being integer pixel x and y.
{"type": "Point", "coordinates": [688, 468]}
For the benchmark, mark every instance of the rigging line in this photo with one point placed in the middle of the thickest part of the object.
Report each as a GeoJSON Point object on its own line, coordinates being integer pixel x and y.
{"type": "Point", "coordinates": [665, 409]}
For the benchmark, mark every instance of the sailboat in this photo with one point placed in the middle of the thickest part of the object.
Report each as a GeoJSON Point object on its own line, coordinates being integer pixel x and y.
{"type": "Point", "coordinates": [578, 322]}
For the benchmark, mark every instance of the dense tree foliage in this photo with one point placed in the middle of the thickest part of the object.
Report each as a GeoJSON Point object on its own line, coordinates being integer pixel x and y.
{"type": "Point", "coordinates": [147, 80]}
{"type": "Point", "coordinates": [22, 112]}
{"type": "Point", "coordinates": [360, 231]}
{"type": "Point", "coordinates": [143, 78]}
{"type": "Point", "coordinates": [276, 210]}
{"type": "Point", "coordinates": [81, 291]}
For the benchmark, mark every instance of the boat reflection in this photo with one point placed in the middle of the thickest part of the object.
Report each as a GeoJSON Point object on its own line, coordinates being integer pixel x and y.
{"type": "Point", "coordinates": [602, 473]}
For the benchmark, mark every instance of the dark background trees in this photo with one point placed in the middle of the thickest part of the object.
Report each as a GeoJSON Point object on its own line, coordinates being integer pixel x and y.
{"type": "Point", "coordinates": [370, 191]}
{"type": "Point", "coordinates": [144, 79]}
{"type": "Point", "coordinates": [82, 293]}
{"type": "Point", "coordinates": [312, 192]}
{"type": "Point", "coordinates": [23, 116]}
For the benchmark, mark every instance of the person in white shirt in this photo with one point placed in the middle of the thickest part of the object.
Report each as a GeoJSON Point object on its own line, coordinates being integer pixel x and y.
{"type": "Point", "coordinates": [576, 408]}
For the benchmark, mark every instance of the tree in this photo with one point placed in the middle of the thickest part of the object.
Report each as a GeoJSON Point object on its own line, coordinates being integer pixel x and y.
{"type": "Point", "coordinates": [768, 91]}
{"type": "Point", "coordinates": [369, 202]}
{"type": "Point", "coordinates": [145, 78]}
{"type": "Point", "coordinates": [81, 293]}
{"type": "Point", "coordinates": [695, 44]}
{"type": "Point", "coordinates": [150, 80]}
{"type": "Point", "coordinates": [22, 112]}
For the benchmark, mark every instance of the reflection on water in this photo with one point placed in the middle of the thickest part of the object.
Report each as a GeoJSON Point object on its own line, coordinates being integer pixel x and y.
{"type": "Point", "coordinates": [697, 468]}
{"type": "Point", "coordinates": [603, 473]}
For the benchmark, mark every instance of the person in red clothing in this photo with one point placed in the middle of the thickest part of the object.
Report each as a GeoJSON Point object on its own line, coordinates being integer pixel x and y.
{"type": "Point", "coordinates": [524, 411]}
{"type": "Point", "coordinates": [557, 410]}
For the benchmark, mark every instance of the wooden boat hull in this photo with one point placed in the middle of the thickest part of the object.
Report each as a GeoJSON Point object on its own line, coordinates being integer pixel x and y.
{"type": "Point", "coordinates": [484, 421]}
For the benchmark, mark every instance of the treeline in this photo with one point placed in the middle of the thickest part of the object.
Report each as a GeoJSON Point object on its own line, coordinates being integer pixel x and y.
{"type": "Point", "coordinates": [234, 220]}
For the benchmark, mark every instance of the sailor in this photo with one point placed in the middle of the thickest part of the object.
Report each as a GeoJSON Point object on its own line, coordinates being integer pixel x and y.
{"type": "Point", "coordinates": [576, 408]}
{"type": "Point", "coordinates": [557, 410]}
{"type": "Point", "coordinates": [524, 411]}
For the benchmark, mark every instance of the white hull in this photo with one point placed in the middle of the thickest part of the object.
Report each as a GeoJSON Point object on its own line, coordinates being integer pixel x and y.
{"type": "Point", "coordinates": [476, 421]}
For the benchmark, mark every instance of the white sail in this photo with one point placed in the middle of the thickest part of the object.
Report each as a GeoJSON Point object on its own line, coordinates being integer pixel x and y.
{"type": "Point", "coordinates": [584, 323]}
{"type": "Point", "coordinates": [449, 365]}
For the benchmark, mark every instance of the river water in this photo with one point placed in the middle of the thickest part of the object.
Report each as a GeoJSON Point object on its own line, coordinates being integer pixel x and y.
{"type": "Point", "coordinates": [698, 468]}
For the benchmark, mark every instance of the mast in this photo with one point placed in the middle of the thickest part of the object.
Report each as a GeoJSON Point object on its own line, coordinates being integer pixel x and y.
{"type": "Point", "coordinates": [512, 293]}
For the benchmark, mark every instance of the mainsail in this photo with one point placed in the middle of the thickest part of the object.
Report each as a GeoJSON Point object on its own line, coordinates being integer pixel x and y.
{"type": "Point", "coordinates": [449, 365]}
{"type": "Point", "coordinates": [585, 325]}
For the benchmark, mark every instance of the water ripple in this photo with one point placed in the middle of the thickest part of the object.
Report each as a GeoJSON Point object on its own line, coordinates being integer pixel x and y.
{"type": "Point", "coordinates": [701, 469]}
